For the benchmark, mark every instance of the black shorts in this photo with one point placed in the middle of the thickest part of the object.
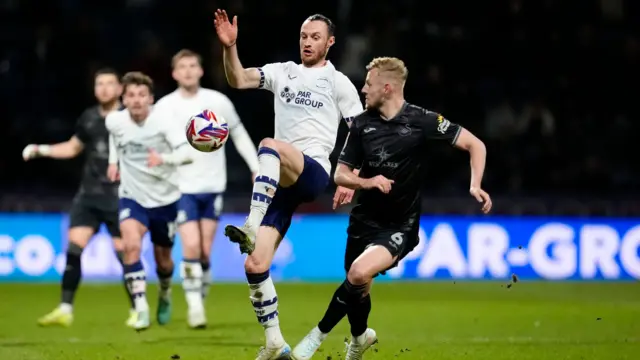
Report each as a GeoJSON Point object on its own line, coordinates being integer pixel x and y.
{"type": "Point", "coordinates": [91, 212]}
{"type": "Point", "coordinates": [400, 241]}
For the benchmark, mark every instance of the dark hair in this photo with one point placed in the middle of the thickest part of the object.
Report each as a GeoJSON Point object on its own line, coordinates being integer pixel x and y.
{"type": "Point", "coordinates": [331, 27]}
{"type": "Point", "coordinates": [137, 78]}
{"type": "Point", "coordinates": [107, 71]}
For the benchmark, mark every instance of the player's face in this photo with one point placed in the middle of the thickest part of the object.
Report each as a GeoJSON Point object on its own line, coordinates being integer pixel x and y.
{"type": "Point", "coordinates": [137, 99]}
{"type": "Point", "coordinates": [187, 72]}
{"type": "Point", "coordinates": [314, 42]}
{"type": "Point", "coordinates": [375, 89]}
{"type": "Point", "coordinates": [107, 88]}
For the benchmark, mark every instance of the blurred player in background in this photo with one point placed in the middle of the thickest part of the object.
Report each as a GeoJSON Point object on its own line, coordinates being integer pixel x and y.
{"type": "Point", "coordinates": [310, 98]}
{"type": "Point", "coordinates": [96, 202]}
{"type": "Point", "coordinates": [389, 141]}
{"type": "Point", "coordinates": [203, 181]}
{"type": "Point", "coordinates": [147, 145]}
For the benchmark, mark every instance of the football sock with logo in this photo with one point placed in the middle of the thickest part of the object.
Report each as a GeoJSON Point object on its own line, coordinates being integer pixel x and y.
{"type": "Point", "coordinates": [120, 256]}
{"type": "Point", "coordinates": [206, 277]}
{"type": "Point", "coordinates": [359, 307]}
{"type": "Point", "coordinates": [137, 281]}
{"type": "Point", "coordinates": [265, 185]}
{"type": "Point", "coordinates": [337, 309]}
{"type": "Point", "coordinates": [264, 299]}
{"type": "Point", "coordinates": [71, 277]}
{"type": "Point", "coordinates": [164, 280]}
{"type": "Point", "coordinates": [191, 274]}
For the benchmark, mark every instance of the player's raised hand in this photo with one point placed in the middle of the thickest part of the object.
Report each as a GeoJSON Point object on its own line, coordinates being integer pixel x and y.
{"type": "Point", "coordinates": [227, 31]}
{"type": "Point", "coordinates": [482, 197]}
{"type": "Point", "coordinates": [379, 182]}
{"type": "Point", "coordinates": [154, 159]}
{"type": "Point", "coordinates": [113, 173]}
{"type": "Point", "coordinates": [343, 196]}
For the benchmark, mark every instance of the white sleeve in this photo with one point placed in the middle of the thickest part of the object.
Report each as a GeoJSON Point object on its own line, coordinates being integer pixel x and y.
{"type": "Point", "coordinates": [173, 131]}
{"type": "Point", "coordinates": [113, 150]}
{"type": "Point", "coordinates": [241, 138]}
{"type": "Point", "coordinates": [269, 75]}
{"type": "Point", "coordinates": [176, 137]}
{"type": "Point", "coordinates": [245, 147]}
{"type": "Point", "coordinates": [348, 98]}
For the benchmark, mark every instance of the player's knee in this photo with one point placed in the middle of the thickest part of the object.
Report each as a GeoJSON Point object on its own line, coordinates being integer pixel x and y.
{"type": "Point", "coordinates": [164, 265]}
{"type": "Point", "coordinates": [269, 143]}
{"type": "Point", "coordinates": [132, 246]}
{"type": "Point", "coordinates": [253, 264]}
{"type": "Point", "coordinates": [118, 245]}
{"type": "Point", "coordinates": [359, 274]}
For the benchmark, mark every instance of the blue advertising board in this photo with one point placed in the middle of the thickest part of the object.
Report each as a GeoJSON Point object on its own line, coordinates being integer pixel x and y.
{"type": "Point", "coordinates": [32, 248]}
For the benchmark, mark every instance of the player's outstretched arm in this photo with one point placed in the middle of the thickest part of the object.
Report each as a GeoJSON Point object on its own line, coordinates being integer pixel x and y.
{"type": "Point", "coordinates": [478, 154]}
{"type": "Point", "coordinates": [64, 150]}
{"type": "Point", "coordinates": [237, 76]}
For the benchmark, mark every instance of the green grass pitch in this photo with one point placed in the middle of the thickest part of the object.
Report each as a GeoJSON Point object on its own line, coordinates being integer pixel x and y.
{"type": "Point", "coordinates": [431, 320]}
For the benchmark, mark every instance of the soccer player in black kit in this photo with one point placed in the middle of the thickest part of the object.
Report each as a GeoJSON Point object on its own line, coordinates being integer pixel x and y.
{"type": "Point", "coordinates": [389, 143]}
{"type": "Point", "coordinates": [96, 202]}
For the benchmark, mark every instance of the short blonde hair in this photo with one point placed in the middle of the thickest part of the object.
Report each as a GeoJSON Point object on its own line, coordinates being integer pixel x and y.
{"type": "Point", "coordinates": [392, 65]}
{"type": "Point", "coordinates": [185, 53]}
{"type": "Point", "coordinates": [137, 78]}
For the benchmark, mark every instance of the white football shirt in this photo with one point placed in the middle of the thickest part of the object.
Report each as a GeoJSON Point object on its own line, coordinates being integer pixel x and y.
{"type": "Point", "coordinates": [148, 186]}
{"type": "Point", "coordinates": [208, 171]}
{"type": "Point", "coordinates": [308, 106]}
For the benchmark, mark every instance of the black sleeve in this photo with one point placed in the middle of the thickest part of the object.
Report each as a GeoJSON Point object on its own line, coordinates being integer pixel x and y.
{"type": "Point", "coordinates": [352, 154]}
{"type": "Point", "coordinates": [437, 127]}
{"type": "Point", "coordinates": [81, 129]}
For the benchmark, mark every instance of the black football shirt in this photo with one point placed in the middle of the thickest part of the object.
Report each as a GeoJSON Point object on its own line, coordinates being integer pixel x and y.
{"type": "Point", "coordinates": [396, 149]}
{"type": "Point", "coordinates": [91, 130]}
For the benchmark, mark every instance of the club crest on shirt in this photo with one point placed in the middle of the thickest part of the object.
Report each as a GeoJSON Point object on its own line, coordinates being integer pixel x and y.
{"type": "Point", "coordinates": [443, 124]}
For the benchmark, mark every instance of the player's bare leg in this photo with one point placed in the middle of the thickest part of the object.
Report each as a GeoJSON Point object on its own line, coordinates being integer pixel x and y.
{"type": "Point", "coordinates": [262, 293]}
{"type": "Point", "coordinates": [79, 237]}
{"type": "Point", "coordinates": [132, 232]}
{"type": "Point", "coordinates": [118, 246]}
{"type": "Point", "coordinates": [280, 164]}
{"type": "Point", "coordinates": [208, 229]}
{"type": "Point", "coordinates": [191, 273]}
{"type": "Point", "coordinates": [164, 270]}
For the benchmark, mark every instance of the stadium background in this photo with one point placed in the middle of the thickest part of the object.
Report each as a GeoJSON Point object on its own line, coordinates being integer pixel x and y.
{"type": "Point", "coordinates": [549, 85]}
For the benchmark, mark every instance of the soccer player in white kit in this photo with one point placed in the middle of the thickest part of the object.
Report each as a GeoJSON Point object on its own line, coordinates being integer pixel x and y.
{"type": "Point", "coordinates": [203, 181]}
{"type": "Point", "coordinates": [310, 98]}
{"type": "Point", "coordinates": [145, 147]}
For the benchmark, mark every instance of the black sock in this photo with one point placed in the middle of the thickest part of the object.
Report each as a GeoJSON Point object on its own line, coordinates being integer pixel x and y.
{"type": "Point", "coordinates": [206, 265]}
{"type": "Point", "coordinates": [359, 307]}
{"type": "Point", "coordinates": [72, 273]}
{"type": "Point", "coordinates": [337, 309]}
{"type": "Point", "coordinates": [120, 256]}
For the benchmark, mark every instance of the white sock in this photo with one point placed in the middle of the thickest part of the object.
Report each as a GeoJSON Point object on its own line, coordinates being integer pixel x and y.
{"type": "Point", "coordinates": [206, 282]}
{"type": "Point", "coordinates": [137, 281]}
{"type": "Point", "coordinates": [66, 308]}
{"type": "Point", "coordinates": [360, 339]}
{"type": "Point", "coordinates": [265, 303]}
{"type": "Point", "coordinates": [319, 334]}
{"type": "Point", "coordinates": [191, 274]}
{"type": "Point", "coordinates": [264, 187]}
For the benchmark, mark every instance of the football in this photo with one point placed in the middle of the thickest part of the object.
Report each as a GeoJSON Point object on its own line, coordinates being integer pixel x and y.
{"type": "Point", "coordinates": [207, 131]}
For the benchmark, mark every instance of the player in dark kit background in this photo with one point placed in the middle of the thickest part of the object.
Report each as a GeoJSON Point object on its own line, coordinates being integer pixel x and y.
{"type": "Point", "coordinates": [96, 202]}
{"type": "Point", "coordinates": [389, 143]}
